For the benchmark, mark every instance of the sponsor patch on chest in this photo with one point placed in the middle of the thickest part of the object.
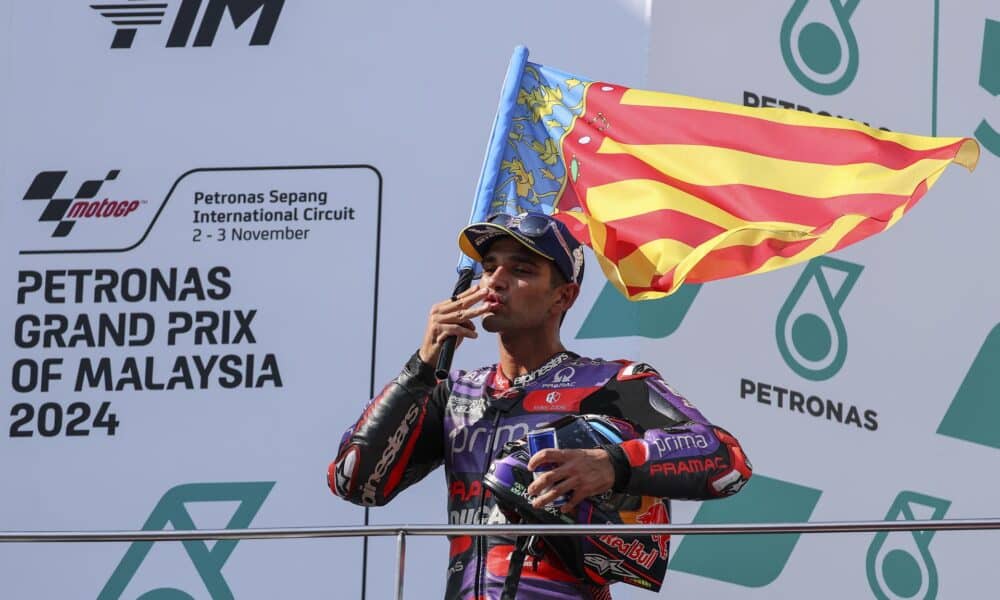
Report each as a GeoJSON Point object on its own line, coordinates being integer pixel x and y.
{"type": "Point", "coordinates": [561, 400]}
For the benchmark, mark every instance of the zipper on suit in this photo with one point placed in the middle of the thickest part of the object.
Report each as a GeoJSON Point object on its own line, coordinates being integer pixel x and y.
{"type": "Point", "coordinates": [481, 540]}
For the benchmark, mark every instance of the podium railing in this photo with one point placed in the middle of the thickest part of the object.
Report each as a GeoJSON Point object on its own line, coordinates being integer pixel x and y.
{"type": "Point", "coordinates": [401, 531]}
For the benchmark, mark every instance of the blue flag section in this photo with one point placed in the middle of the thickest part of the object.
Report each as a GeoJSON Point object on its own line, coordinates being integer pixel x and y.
{"type": "Point", "coordinates": [523, 169]}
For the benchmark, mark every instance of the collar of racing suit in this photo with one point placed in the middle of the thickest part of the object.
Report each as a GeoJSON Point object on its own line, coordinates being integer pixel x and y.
{"type": "Point", "coordinates": [500, 383]}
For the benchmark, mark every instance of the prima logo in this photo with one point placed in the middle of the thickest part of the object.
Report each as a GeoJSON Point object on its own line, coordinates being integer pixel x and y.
{"type": "Point", "coordinates": [818, 44]}
{"type": "Point", "coordinates": [65, 212]}
{"type": "Point", "coordinates": [131, 15]}
{"type": "Point", "coordinates": [475, 439]}
{"type": "Point", "coordinates": [171, 512]}
{"type": "Point", "coordinates": [810, 333]}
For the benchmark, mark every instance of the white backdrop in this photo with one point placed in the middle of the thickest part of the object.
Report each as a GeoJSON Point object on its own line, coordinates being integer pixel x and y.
{"type": "Point", "coordinates": [408, 89]}
{"type": "Point", "coordinates": [375, 116]}
{"type": "Point", "coordinates": [918, 304]}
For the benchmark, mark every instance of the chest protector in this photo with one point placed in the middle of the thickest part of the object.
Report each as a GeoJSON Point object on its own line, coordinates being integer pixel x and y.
{"type": "Point", "coordinates": [639, 560]}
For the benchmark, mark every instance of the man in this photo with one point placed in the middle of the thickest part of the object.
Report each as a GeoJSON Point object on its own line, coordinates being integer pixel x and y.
{"type": "Point", "coordinates": [532, 268]}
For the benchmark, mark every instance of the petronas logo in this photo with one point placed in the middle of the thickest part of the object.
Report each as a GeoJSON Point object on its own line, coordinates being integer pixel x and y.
{"type": "Point", "coordinates": [818, 44]}
{"type": "Point", "coordinates": [899, 563]}
{"type": "Point", "coordinates": [172, 510]}
{"type": "Point", "coordinates": [810, 333]}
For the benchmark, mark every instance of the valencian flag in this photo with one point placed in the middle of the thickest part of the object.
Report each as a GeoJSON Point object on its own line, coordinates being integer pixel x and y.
{"type": "Point", "coordinates": [669, 189]}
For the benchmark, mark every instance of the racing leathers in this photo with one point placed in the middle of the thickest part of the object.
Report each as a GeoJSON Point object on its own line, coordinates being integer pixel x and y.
{"type": "Point", "coordinates": [417, 423]}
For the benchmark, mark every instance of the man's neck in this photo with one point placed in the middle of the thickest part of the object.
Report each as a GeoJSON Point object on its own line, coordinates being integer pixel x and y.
{"type": "Point", "coordinates": [524, 354]}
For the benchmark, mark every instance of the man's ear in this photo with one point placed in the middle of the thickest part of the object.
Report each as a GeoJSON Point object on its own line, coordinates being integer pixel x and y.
{"type": "Point", "coordinates": [566, 296]}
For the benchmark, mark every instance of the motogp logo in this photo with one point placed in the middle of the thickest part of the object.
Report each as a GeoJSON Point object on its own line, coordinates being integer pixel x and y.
{"type": "Point", "coordinates": [65, 212]}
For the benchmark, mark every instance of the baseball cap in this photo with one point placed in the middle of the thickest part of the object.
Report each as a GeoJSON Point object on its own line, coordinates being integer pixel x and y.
{"type": "Point", "coordinates": [537, 232]}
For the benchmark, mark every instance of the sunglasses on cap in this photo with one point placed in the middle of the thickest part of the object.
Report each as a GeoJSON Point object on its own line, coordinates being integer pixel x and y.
{"type": "Point", "coordinates": [532, 225]}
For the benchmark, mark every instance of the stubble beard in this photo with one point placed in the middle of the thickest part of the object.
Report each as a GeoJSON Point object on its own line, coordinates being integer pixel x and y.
{"type": "Point", "coordinates": [501, 324]}
{"type": "Point", "coordinates": [492, 323]}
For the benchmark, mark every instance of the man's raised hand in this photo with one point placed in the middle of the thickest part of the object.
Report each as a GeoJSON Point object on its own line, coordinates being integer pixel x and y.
{"type": "Point", "coordinates": [452, 318]}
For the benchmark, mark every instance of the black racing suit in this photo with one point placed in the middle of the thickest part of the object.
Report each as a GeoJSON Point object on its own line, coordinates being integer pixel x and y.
{"type": "Point", "coordinates": [417, 423]}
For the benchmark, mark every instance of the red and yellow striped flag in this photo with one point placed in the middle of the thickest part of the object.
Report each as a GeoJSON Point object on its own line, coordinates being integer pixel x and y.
{"type": "Point", "coordinates": [673, 189]}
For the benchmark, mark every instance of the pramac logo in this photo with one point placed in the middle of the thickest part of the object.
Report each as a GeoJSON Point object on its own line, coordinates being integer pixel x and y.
{"type": "Point", "coordinates": [563, 375]}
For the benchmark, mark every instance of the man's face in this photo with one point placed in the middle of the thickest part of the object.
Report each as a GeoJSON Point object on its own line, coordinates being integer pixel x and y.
{"type": "Point", "coordinates": [522, 296]}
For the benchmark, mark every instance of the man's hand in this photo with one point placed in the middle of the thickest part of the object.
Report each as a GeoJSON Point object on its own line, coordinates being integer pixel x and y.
{"type": "Point", "coordinates": [452, 318]}
{"type": "Point", "coordinates": [582, 473]}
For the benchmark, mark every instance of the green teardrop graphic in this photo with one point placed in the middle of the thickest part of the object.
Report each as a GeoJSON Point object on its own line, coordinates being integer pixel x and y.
{"type": "Point", "coordinates": [974, 413]}
{"type": "Point", "coordinates": [172, 511]}
{"type": "Point", "coordinates": [989, 80]}
{"type": "Point", "coordinates": [899, 564]}
{"type": "Point", "coordinates": [814, 345]}
{"type": "Point", "coordinates": [614, 315]}
{"type": "Point", "coordinates": [751, 560]}
{"type": "Point", "coordinates": [819, 47]}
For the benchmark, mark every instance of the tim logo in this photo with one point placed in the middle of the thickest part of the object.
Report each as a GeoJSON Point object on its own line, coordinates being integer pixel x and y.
{"type": "Point", "coordinates": [84, 204]}
{"type": "Point", "coordinates": [130, 15]}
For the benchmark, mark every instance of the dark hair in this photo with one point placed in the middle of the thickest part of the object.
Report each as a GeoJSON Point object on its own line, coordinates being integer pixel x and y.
{"type": "Point", "coordinates": [556, 278]}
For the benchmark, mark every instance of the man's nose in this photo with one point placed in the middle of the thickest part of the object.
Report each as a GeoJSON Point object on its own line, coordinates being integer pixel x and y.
{"type": "Point", "coordinates": [498, 278]}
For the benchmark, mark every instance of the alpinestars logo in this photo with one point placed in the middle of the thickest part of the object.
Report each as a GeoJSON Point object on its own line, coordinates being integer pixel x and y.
{"type": "Point", "coordinates": [65, 212]}
{"type": "Point", "coordinates": [604, 565]}
{"type": "Point", "coordinates": [129, 16]}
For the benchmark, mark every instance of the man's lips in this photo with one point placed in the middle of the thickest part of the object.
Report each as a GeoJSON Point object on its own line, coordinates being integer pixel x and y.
{"type": "Point", "coordinates": [493, 301]}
